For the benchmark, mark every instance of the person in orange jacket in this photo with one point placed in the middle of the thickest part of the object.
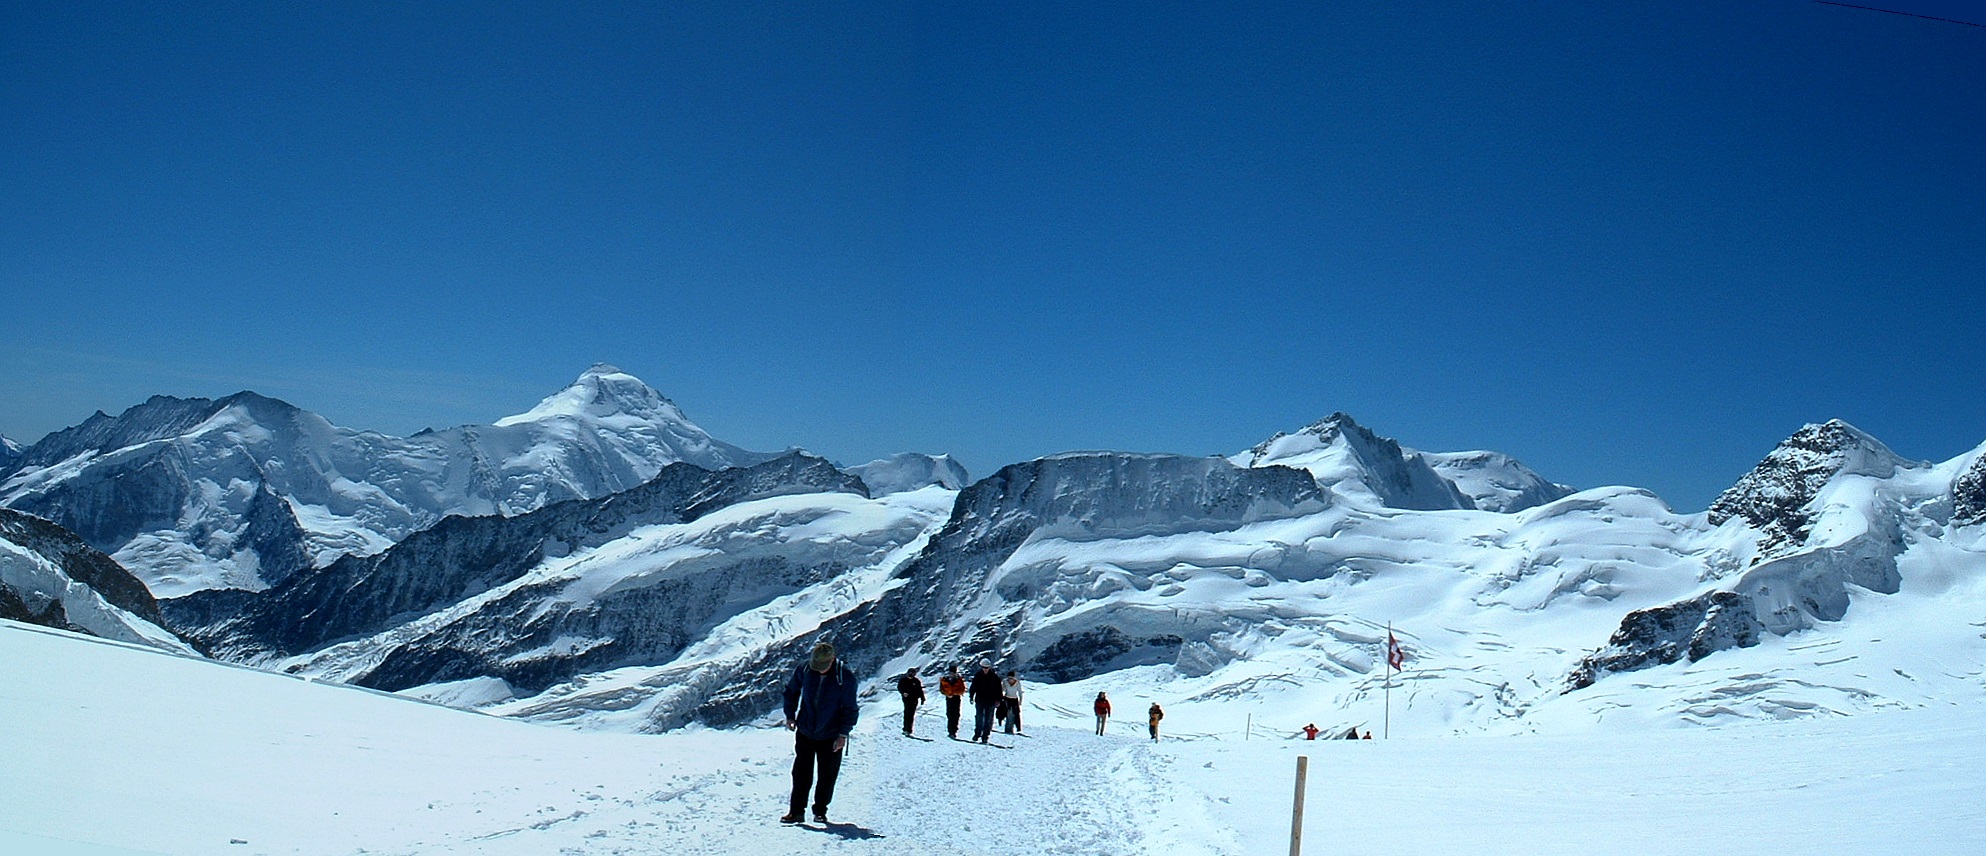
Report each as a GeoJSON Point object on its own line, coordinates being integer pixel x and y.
{"type": "Point", "coordinates": [1310, 731]}
{"type": "Point", "coordinates": [1102, 712]}
{"type": "Point", "coordinates": [1152, 718]}
{"type": "Point", "coordinates": [952, 687]}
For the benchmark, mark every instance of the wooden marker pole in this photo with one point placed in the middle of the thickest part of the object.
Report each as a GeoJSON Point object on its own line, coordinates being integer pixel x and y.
{"type": "Point", "coordinates": [1296, 816]}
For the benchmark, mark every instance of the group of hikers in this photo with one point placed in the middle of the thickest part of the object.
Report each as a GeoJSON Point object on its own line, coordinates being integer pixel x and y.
{"type": "Point", "coordinates": [821, 709]}
{"type": "Point", "coordinates": [1310, 732]}
{"type": "Point", "coordinates": [993, 701]}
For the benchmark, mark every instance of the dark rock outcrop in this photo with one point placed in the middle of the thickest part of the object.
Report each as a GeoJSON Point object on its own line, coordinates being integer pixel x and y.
{"type": "Point", "coordinates": [1969, 494]}
{"type": "Point", "coordinates": [1692, 629]}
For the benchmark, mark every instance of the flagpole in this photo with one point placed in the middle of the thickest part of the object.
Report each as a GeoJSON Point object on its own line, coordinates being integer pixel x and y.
{"type": "Point", "coordinates": [1386, 730]}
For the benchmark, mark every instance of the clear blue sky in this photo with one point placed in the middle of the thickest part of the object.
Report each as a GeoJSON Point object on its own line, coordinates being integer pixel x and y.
{"type": "Point", "coordinates": [1630, 243]}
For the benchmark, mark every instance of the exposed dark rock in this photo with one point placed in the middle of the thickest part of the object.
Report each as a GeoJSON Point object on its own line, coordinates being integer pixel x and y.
{"type": "Point", "coordinates": [1969, 494]}
{"type": "Point", "coordinates": [1101, 649]}
{"type": "Point", "coordinates": [15, 607]}
{"type": "Point", "coordinates": [1080, 655]}
{"type": "Point", "coordinates": [1692, 629]}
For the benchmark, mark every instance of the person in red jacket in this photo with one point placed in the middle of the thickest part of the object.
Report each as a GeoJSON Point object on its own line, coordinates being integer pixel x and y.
{"type": "Point", "coordinates": [1102, 707]}
{"type": "Point", "coordinates": [1310, 731]}
{"type": "Point", "coordinates": [952, 687]}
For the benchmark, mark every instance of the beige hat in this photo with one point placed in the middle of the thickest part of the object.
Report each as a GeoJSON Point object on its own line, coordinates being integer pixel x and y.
{"type": "Point", "coordinates": [823, 657]}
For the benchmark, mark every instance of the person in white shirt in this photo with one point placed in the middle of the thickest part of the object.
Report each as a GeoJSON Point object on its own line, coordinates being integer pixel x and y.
{"type": "Point", "coordinates": [1012, 690]}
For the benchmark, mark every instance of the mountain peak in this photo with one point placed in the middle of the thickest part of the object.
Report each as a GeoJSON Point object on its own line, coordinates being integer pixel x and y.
{"type": "Point", "coordinates": [1340, 452]}
{"type": "Point", "coordinates": [1774, 496]}
{"type": "Point", "coordinates": [602, 392]}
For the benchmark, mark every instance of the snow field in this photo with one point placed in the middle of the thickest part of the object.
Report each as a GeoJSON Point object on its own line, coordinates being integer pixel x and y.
{"type": "Point", "coordinates": [115, 745]}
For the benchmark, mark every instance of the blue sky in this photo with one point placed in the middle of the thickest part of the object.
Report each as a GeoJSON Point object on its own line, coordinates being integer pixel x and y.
{"type": "Point", "coordinates": [1631, 243]}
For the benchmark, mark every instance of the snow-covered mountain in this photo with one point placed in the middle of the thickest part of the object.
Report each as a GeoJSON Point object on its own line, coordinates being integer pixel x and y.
{"type": "Point", "coordinates": [10, 453]}
{"type": "Point", "coordinates": [1827, 516]}
{"type": "Point", "coordinates": [48, 576]}
{"type": "Point", "coordinates": [647, 577]}
{"type": "Point", "coordinates": [1356, 463]}
{"type": "Point", "coordinates": [910, 471]}
{"type": "Point", "coordinates": [1194, 580]}
{"type": "Point", "coordinates": [1269, 577]}
{"type": "Point", "coordinates": [245, 491]}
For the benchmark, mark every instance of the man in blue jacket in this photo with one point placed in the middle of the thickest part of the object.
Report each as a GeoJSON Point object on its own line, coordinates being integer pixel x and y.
{"type": "Point", "coordinates": [821, 711]}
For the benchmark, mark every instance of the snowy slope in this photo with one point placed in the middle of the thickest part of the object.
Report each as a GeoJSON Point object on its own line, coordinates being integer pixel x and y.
{"type": "Point", "coordinates": [10, 454]}
{"type": "Point", "coordinates": [285, 766]}
{"type": "Point", "coordinates": [242, 492]}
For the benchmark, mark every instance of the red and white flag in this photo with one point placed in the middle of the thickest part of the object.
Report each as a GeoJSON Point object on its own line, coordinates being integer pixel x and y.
{"type": "Point", "coordinates": [1394, 654]}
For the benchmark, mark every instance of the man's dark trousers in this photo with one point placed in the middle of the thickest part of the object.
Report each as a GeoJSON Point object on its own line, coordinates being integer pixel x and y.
{"type": "Point", "coordinates": [809, 754]}
{"type": "Point", "coordinates": [952, 716]}
{"type": "Point", "coordinates": [982, 726]}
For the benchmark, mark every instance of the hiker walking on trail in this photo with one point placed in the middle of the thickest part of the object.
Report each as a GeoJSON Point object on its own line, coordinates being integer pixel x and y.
{"type": "Point", "coordinates": [952, 687]}
{"type": "Point", "coordinates": [1102, 707]}
{"type": "Point", "coordinates": [1012, 690]}
{"type": "Point", "coordinates": [985, 697]}
{"type": "Point", "coordinates": [821, 711]}
{"type": "Point", "coordinates": [912, 691]}
{"type": "Point", "coordinates": [1152, 717]}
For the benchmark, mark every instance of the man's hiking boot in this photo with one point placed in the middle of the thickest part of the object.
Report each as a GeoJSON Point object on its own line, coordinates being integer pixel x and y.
{"type": "Point", "coordinates": [820, 817]}
{"type": "Point", "coordinates": [791, 817]}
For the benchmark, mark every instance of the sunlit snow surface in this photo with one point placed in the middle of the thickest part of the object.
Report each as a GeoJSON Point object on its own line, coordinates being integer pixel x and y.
{"type": "Point", "coordinates": [113, 745]}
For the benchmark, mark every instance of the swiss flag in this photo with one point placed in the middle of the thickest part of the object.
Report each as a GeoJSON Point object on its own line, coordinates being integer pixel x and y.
{"type": "Point", "coordinates": [1394, 655]}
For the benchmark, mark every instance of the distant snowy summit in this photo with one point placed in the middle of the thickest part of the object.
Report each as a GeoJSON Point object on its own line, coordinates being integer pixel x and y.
{"type": "Point", "coordinates": [910, 471]}
{"type": "Point", "coordinates": [1355, 462]}
{"type": "Point", "coordinates": [243, 491]}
